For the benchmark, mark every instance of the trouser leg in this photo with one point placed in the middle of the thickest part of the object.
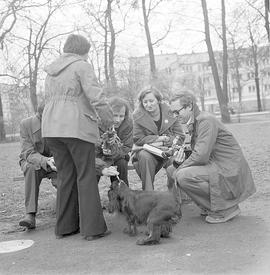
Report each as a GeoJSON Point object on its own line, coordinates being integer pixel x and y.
{"type": "Point", "coordinates": [122, 168]}
{"type": "Point", "coordinates": [146, 167]}
{"type": "Point", "coordinates": [67, 208]}
{"type": "Point", "coordinates": [32, 178]}
{"type": "Point", "coordinates": [91, 215]}
{"type": "Point", "coordinates": [195, 182]}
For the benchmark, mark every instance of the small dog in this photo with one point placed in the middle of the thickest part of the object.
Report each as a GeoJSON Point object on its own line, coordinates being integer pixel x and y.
{"type": "Point", "coordinates": [156, 209]}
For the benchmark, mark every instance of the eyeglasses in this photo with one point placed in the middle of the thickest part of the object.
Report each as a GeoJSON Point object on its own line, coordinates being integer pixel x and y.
{"type": "Point", "coordinates": [177, 112]}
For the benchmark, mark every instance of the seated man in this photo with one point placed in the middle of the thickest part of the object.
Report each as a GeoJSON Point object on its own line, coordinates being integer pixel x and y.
{"type": "Point", "coordinates": [116, 143]}
{"type": "Point", "coordinates": [216, 176]}
{"type": "Point", "coordinates": [36, 162]}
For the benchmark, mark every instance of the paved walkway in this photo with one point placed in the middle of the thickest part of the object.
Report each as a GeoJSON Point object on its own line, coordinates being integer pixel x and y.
{"type": "Point", "coordinates": [241, 246]}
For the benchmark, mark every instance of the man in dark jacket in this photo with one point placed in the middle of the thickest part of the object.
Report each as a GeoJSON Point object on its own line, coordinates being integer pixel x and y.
{"type": "Point", "coordinates": [116, 142]}
{"type": "Point", "coordinates": [36, 162]}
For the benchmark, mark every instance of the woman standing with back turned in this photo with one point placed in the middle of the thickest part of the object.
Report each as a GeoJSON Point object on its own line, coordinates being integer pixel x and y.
{"type": "Point", "coordinates": [70, 127]}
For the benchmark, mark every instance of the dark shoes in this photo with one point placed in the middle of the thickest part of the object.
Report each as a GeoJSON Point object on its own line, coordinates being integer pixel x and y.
{"type": "Point", "coordinates": [61, 236]}
{"type": "Point", "coordinates": [29, 221]}
{"type": "Point", "coordinates": [96, 237]}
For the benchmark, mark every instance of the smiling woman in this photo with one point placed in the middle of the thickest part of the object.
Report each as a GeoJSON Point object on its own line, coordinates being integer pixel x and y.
{"type": "Point", "coordinates": [153, 125]}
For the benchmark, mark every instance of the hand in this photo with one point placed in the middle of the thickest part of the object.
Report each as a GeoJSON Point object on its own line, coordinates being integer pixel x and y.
{"type": "Point", "coordinates": [51, 163]}
{"type": "Point", "coordinates": [107, 152]}
{"type": "Point", "coordinates": [110, 171]}
{"type": "Point", "coordinates": [180, 155]}
{"type": "Point", "coordinates": [163, 138]}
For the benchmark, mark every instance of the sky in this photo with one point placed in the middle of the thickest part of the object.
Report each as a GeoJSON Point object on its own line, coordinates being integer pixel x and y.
{"type": "Point", "coordinates": [186, 34]}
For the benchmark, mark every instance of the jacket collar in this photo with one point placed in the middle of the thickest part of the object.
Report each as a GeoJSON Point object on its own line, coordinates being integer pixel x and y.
{"type": "Point", "coordinates": [143, 118]}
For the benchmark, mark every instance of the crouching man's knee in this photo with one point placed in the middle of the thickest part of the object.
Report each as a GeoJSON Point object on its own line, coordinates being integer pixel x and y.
{"type": "Point", "coordinates": [181, 176]}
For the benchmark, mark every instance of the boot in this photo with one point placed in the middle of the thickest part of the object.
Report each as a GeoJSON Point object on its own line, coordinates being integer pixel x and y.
{"type": "Point", "coordinates": [29, 221]}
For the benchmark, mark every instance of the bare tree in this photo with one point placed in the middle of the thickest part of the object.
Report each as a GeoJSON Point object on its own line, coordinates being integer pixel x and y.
{"type": "Point", "coordinates": [225, 52]}
{"type": "Point", "coordinates": [38, 41]}
{"type": "Point", "coordinates": [254, 55]}
{"type": "Point", "coordinates": [2, 124]}
{"type": "Point", "coordinates": [147, 10]}
{"type": "Point", "coordinates": [225, 115]}
{"type": "Point", "coordinates": [149, 41]}
{"type": "Point", "coordinates": [266, 18]}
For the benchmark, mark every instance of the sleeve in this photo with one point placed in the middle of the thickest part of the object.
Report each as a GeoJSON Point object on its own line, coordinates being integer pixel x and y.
{"type": "Point", "coordinates": [28, 152]}
{"type": "Point", "coordinates": [95, 93]}
{"type": "Point", "coordinates": [207, 135]}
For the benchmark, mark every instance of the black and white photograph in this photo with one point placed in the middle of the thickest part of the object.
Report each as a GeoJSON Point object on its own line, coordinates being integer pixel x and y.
{"type": "Point", "coordinates": [134, 137]}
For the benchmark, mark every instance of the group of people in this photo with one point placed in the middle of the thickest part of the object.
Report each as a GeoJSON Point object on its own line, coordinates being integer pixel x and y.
{"type": "Point", "coordinates": [63, 142]}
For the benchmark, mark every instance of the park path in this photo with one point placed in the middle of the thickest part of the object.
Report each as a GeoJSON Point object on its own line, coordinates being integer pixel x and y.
{"type": "Point", "coordinates": [241, 246]}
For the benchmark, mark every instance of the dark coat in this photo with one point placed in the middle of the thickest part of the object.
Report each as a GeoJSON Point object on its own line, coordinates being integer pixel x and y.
{"type": "Point", "coordinates": [33, 148]}
{"type": "Point", "coordinates": [145, 130]}
{"type": "Point", "coordinates": [214, 147]}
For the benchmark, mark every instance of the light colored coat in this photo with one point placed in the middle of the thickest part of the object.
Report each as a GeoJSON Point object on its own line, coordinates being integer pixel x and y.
{"type": "Point", "coordinates": [72, 96]}
{"type": "Point", "coordinates": [215, 148]}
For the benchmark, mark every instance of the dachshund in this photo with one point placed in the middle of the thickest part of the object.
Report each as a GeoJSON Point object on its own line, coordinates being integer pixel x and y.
{"type": "Point", "coordinates": [156, 209]}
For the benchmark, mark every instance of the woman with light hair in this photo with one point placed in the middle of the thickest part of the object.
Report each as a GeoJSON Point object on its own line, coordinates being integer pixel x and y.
{"type": "Point", "coordinates": [153, 124]}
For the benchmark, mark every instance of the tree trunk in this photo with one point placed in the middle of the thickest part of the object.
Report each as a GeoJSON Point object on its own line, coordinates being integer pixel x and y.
{"type": "Point", "coordinates": [256, 70]}
{"type": "Point", "coordinates": [266, 18]}
{"type": "Point", "coordinates": [106, 51]}
{"type": "Point", "coordinates": [2, 124]}
{"type": "Point", "coordinates": [112, 47]}
{"type": "Point", "coordinates": [149, 42]}
{"type": "Point", "coordinates": [225, 116]}
{"type": "Point", "coordinates": [202, 101]}
{"type": "Point", "coordinates": [225, 53]}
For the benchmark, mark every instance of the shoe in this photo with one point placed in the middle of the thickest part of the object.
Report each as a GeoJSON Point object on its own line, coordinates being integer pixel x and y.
{"type": "Point", "coordinates": [204, 212]}
{"type": "Point", "coordinates": [235, 213]}
{"type": "Point", "coordinates": [29, 221]}
{"type": "Point", "coordinates": [61, 236]}
{"type": "Point", "coordinates": [96, 237]}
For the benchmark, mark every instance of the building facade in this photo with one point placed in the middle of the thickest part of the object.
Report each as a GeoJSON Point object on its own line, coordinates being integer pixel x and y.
{"type": "Point", "coordinates": [193, 72]}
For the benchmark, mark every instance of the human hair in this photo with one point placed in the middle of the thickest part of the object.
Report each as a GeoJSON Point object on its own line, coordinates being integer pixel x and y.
{"type": "Point", "coordinates": [149, 90]}
{"type": "Point", "coordinates": [77, 44]}
{"type": "Point", "coordinates": [117, 103]}
{"type": "Point", "coordinates": [186, 98]}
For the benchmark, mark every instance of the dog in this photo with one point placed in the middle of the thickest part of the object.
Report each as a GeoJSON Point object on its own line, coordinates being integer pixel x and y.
{"type": "Point", "coordinates": [156, 209]}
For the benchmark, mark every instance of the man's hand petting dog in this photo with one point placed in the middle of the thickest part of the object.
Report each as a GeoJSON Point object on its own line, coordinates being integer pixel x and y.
{"type": "Point", "coordinates": [156, 209]}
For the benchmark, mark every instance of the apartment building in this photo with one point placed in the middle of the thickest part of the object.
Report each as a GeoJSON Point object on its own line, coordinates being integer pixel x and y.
{"type": "Point", "coordinates": [192, 71]}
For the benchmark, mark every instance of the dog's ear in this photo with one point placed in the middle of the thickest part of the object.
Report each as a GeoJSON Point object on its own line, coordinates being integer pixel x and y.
{"type": "Point", "coordinates": [114, 185]}
{"type": "Point", "coordinates": [122, 184]}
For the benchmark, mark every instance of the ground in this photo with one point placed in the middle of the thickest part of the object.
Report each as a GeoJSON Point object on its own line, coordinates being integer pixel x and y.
{"type": "Point", "coordinates": [241, 246]}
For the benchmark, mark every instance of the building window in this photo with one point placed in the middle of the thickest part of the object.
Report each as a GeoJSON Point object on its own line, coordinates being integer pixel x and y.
{"type": "Point", "coordinates": [168, 70]}
{"type": "Point", "coordinates": [251, 89]}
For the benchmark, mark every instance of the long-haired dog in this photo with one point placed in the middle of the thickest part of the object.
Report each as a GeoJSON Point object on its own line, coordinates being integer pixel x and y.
{"type": "Point", "coordinates": [156, 209]}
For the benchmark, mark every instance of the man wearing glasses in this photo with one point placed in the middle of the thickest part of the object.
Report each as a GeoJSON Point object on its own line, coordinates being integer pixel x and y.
{"type": "Point", "coordinates": [216, 176]}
